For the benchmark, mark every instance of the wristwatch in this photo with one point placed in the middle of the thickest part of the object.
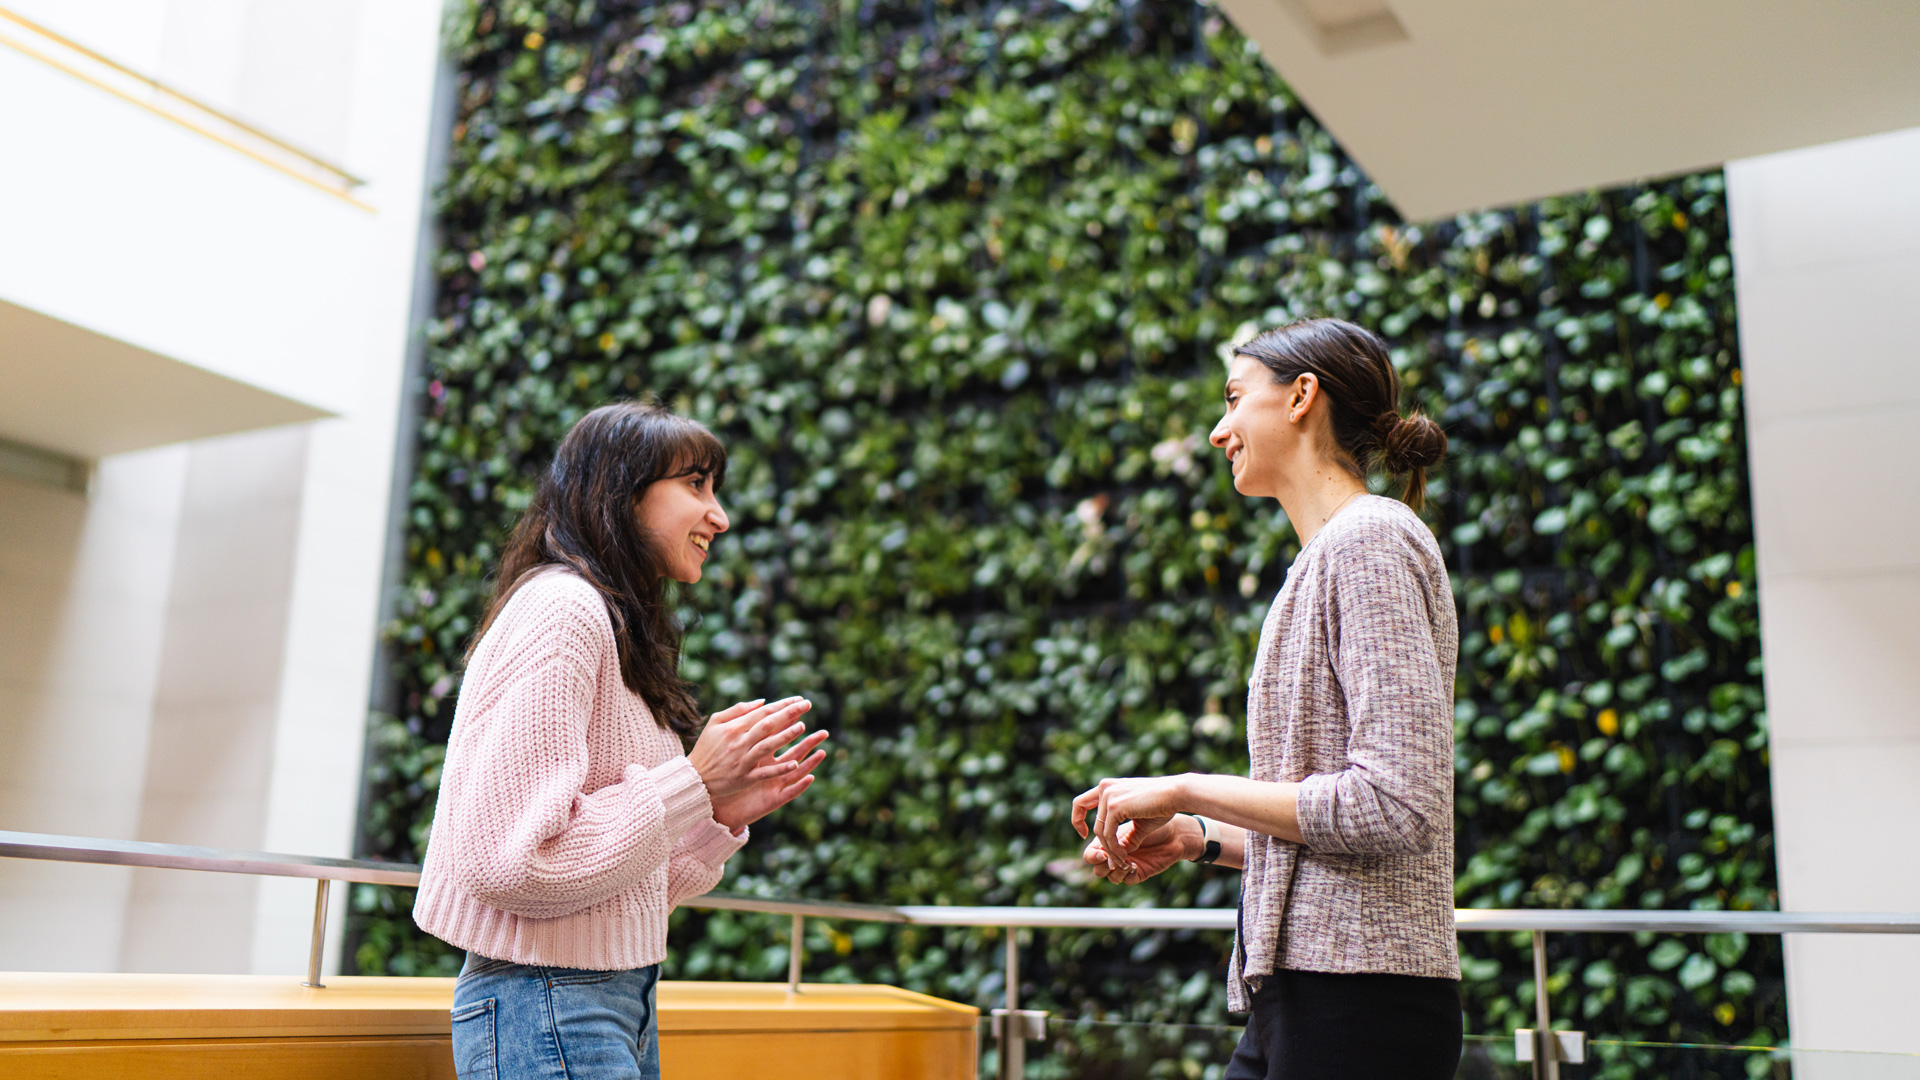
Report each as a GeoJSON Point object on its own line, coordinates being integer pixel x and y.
{"type": "Point", "coordinates": [1210, 841]}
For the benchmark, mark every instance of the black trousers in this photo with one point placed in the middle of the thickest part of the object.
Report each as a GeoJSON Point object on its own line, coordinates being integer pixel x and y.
{"type": "Point", "coordinates": [1316, 1025]}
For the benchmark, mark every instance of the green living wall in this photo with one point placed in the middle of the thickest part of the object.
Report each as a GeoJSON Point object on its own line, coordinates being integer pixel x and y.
{"type": "Point", "coordinates": [952, 280]}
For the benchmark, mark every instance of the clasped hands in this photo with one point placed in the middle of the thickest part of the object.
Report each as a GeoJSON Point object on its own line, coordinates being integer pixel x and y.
{"type": "Point", "coordinates": [1137, 830]}
{"type": "Point", "coordinates": [738, 758]}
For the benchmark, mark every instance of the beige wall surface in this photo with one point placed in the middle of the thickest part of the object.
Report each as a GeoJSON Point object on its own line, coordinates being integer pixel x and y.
{"type": "Point", "coordinates": [186, 648]}
{"type": "Point", "coordinates": [1826, 248]}
{"type": "Point", "coordinates": [83, 588]}
{"type": "Point", "coordinates": [210, 739]}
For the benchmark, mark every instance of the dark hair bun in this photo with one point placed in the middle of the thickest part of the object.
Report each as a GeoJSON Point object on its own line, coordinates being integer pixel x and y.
{"type": "Point", "coordinates": [1413, 443]}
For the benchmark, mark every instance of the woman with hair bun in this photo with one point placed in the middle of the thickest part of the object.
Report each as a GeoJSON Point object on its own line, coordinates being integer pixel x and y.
{"type": "Point", "coordinates": [1346, 957]}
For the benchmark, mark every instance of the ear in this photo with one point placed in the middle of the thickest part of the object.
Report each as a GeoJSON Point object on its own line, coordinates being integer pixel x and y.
{"type": "Point", "coordinates": [1306, 391]}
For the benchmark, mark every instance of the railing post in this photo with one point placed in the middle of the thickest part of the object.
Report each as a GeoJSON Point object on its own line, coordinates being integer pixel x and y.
{"type": "Point", "coordinates": [318, 948]}
{"type": "Point", "coordinates": [1013, 1033]}
{"type": "Point", "coordinates": [1546, 1057]}
{"type": "Point", "coordinates": [1013, 1026]}
{"type": "Point", "coordinates": [793, 954]}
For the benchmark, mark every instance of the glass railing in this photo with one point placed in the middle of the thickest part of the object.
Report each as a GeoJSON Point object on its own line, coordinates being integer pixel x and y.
{"type": "Point", "coordinates": [1491, 1057]}
{"type": "Point", "coordinates": [1126, 1051]}
{"type": "Point", "coordinates": [1084, 1049]}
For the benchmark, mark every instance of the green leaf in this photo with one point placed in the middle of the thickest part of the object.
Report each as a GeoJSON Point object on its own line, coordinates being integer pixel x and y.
{"type": "Point", "coordinates": [1667, 955]}
{"type": "Point", "coordinates": [1698, 971]}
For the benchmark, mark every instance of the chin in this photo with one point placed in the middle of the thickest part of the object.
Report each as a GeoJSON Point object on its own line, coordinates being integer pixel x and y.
{"type": "Point", "coordinates": [1250, 486]}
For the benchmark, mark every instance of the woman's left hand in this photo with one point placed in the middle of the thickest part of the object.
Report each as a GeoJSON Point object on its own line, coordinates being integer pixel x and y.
{"type": "Point", "coordinates": [1149, 852]}
{"type": "Point", "coordinates": [1146, 801]}
{"type": "Point", "coordinates": [745, 807]}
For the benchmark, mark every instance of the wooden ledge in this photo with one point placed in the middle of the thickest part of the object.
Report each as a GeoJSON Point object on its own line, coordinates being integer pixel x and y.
{"type": "Point", "coordinates": [269, 1027]}
{"type": "Point", "coordinates": [59, 1007]}
{"type": "Point", "coordinates": [718, 1007]}
{"type": "Point", "coordinates": [63, 1007]}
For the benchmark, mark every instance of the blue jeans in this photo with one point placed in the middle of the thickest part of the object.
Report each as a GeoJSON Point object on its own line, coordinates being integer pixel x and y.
{"type": "Point", "coordinates": [515, 1022]}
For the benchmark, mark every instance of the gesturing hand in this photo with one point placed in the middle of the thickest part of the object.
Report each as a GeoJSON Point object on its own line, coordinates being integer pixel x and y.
{"type": "Point", "coordinates": [738, 811]}
{"type": "Point", "coordinates": [736, 750]}
{"type": "Point", "coordinates": [1146, 801]}
{"type": "Point", "coordinates": [1152, 851]}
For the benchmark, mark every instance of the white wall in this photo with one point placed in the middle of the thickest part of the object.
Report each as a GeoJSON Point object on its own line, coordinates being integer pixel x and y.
{"type": "Point", "coordinates": [210, 742]}
{"type": "Point", "coordinates": [1454, 105]}
{"type": "Point", "coordinates": [185, 652]}
{"type": "Point", "coordinates": [286, 67]}
{"type": "Point", "coordinates": [152, 234]}
{"type": "Point", "coordinates": [1826, 248]}
{"type": "Point", "coordinates": [83, 592]}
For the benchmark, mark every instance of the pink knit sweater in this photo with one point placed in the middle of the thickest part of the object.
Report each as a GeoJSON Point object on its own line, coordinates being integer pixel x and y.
{"type": "Point", "coordinates": [570, 822]}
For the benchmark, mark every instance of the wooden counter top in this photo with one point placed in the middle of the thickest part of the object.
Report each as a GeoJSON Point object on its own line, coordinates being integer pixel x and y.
{"type": "Point", "coordinates": [269, 1027]}
{"type": "Point", "coordinates": [718, 1007]}
{"type": "Point", "coordinates": [46, 1007]}
{"type": "Point", "coordinates": [49, 1006]}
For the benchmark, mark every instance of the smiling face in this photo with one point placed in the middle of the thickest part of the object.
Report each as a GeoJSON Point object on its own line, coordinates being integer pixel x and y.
{"type": "Point", "coordinates": [682, 515]}
{"type": "Point", "coordinates": [1263, 425]}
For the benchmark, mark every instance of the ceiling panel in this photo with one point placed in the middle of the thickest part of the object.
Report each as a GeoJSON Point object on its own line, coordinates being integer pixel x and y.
{"type": "Point", "coordinates": [1454, 105]}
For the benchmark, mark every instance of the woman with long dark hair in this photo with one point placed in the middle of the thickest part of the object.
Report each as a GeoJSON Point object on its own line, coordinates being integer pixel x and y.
{"type": "Point", "coordinates": [1346, 957]}
{"type": "Point", "coordinates": [584, 794]}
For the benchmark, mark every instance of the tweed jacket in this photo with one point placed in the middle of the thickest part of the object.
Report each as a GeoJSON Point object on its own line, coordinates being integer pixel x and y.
{"type": "Point", "coordinates": [1352, 698]}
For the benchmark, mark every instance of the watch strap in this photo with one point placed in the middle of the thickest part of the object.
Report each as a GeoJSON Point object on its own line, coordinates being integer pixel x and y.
{"type": "Point", "coordinates": [1209, 841]}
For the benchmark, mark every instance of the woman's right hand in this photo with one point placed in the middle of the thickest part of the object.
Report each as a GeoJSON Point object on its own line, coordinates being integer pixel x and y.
{"type": "Point", "coordinates": [737, 748]}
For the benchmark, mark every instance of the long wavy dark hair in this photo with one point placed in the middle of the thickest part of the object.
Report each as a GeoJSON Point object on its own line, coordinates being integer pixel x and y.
{"type": "Point", "coordinates": [582, 518]}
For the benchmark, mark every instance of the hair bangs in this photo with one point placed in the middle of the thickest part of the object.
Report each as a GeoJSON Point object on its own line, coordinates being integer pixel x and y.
{"type": "Point", "coordinates": [695, 451]}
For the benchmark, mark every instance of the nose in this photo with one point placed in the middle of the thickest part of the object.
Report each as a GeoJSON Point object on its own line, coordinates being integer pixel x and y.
{"type": "Point", "coordinates": [717, 517]}
{"type": "Point", "coordinates": [1219, 436]}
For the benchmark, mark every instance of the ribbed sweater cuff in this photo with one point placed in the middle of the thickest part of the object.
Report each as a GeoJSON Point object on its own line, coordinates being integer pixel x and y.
{"type": "Point", "coordinates": [1313, 807]}
{"type": "Point", "coordinates": [683, 795]}
{"type": "Point", "coordinates": [712, 843]}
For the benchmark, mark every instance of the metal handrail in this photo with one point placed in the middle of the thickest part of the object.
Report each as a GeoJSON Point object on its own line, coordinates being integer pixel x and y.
{"type": "Point", "coordinates": [74, 849]}
{"type": "Point", "coordinates": [78, 849]}
{"type": "Point", "coordinates": [1629, 921]}
{"type": "Point", "coordinates": [325, 871]}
